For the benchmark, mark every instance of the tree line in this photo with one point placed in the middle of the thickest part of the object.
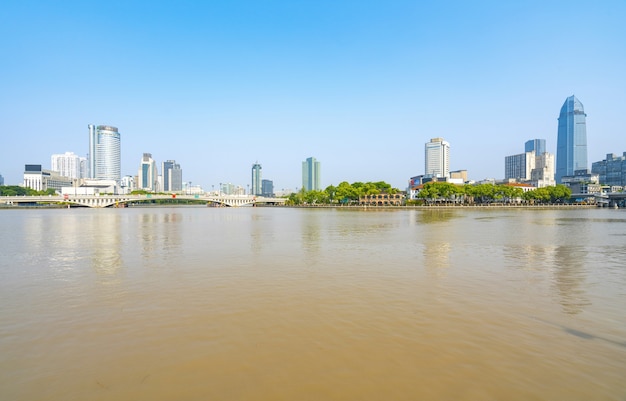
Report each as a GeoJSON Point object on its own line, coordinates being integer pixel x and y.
{"type": "Point", "coordinates": [15, 190]}
{"type": "Point", "coordinates": [342, 194]}
{"type": "Point", "coordinates": [433, 192]}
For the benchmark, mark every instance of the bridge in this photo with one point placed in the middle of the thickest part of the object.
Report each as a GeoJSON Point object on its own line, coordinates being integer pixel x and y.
{"type": "Point", "coordinates": [100, 201]}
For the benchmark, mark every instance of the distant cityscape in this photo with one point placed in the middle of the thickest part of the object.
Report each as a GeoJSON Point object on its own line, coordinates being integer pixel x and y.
{"type": "Point", "coordinates": [536, 168]}
{"type": "Point", "coordinates": [100, 170]}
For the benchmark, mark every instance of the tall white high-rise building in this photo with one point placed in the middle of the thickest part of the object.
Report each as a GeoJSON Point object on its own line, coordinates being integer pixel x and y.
{"type": "Point", "coordinates": [68, 165]}
{"type": "Point", "coordinates": [437, 158]}
{"type": "Point", "coordinates": [104, 153]}
{"type": "Point", "coordinates": [147, 177]}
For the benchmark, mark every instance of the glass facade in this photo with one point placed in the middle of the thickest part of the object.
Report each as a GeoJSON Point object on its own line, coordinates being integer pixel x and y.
{"type": "Point", "coordinates": [147, 175]}
{"type": "Point", "coordinates": [311, 180]}
{"type": "Point", "coordinates": [536, 145]}
{"type": "Point", "coordinates": [166, 166]}
{"type": "Point", "coordinates": [172, 176]}
{"type": "Point", "coordinates": [256, 179]}
{"type": "Point", "coordinates": [612, 170]}
{"type": "Point", "coordinates": [571, 149]}
{"type": "Point", "coordinates": [104, 153]}
{"type": "Point", "coordinates": [267, 188]}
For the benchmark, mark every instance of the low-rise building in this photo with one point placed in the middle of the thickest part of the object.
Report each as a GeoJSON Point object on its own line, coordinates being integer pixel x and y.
{"type": "Point", "coordinates": [382, 200]}
{"type": "Point", "coordinates": [41, 180]}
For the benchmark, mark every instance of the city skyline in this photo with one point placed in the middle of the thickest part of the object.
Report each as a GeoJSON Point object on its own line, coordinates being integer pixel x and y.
{"type": "Point", "coordinates": [359, 85]}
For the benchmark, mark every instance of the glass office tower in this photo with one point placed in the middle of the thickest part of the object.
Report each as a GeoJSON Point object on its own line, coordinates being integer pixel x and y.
{"type": "Point", "coordinates": [535, 145]}
{"type": "Point", "coordinates": [172, 176]}
{"type": "Point", "coordinates": [571, 148]}
{"type": "Point", "coordinates": [104, 153]}
{"type": "Point", "coordinates": [311, 175]}
{"type": "Point", "coordinates": [256, 179]}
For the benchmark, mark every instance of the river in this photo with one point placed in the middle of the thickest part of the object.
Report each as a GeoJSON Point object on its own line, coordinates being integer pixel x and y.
{"type": "Point", "coordinates": [196, 303]}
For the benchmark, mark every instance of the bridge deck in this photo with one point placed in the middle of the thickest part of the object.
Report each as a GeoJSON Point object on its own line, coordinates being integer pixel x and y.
{"type": "Point", "coordinates": [99, 201]}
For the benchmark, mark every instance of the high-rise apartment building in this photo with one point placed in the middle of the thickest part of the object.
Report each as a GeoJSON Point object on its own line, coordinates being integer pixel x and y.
{"type": "Point", "coordinates": [437, 158]}
{"type": "Point", "coordinates": [256, 179]}
{"type": "Point", "coordinates": [172, 176]}
{"type": "Point", "coordinates": [519, 166]}
{"type": "Point", "coordinates": [147, 177]}
{"type": "Point", "coordinates": [535, 145]}
{"type": "Point", "coordinates": [104, 153]}
{"type": "Point", "coordinates": [1, 180]}
{"type": "Point", "coordinates": [311, 175]}
{"type": "Point", "coordinates": [571, 148]}
{"type": "Point", "coordinates": [68, 165]}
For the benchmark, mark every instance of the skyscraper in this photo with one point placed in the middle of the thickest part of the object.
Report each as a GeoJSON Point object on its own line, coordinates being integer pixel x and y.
{"type": "Point", "coordinates": [67, 165]}
{"type": "Point", "coordinates": [147, 178]}
{"type": "Point", "coordinates": [256, 179]}
{"type": "Point", "coordinates": [104, 153]}
{"type": "Point", "coordinates": [536, 145]}
{"type": "Point", "coordinates": [437, 158]}
{"type": "Point", "coordinates": [311, 179]}
{"type": "Point", "coordinates": [172, 176]}
{"type": "Point", "coordinates": [571, 148]}
{"type": "Point", "coordinates": [267, 188]}
{"type": "Point", "coordinates": [519, 166]}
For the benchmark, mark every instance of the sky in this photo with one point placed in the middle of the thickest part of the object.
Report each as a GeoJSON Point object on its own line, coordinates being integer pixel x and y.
{"type": "Point", "coordinates": [360, 85]}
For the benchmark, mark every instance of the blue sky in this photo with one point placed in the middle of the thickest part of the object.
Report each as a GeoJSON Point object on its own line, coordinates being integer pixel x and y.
{"type": "Point", "coordinates": [359, 85]}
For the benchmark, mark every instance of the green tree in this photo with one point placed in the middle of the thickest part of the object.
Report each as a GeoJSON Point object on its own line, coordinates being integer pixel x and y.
{"type": "Point", "coordinates": [481, 193]}
{"type": "Point", "coordinates": [331, 191]}
{"type": "Point", "coordinates": [560, 193]}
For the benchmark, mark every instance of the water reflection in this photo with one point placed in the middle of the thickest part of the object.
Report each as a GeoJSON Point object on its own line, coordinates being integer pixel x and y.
{"type": "Point", "coordinates": [436, 215]}
{"type": "Point", "coordinates": [105, 246]}
{"type": "Point", "coordinates": [569, 276]}
{"type": "Point", "coordinates": [311, 237]}
{"type": "Point", "coordinates": [160, 235]}
{"type": "Point", "coordinates": [437, 243]}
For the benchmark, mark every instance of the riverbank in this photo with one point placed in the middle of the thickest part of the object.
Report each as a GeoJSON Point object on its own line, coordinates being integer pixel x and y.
{"type": "Point", "coordinates": [450, 206]}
